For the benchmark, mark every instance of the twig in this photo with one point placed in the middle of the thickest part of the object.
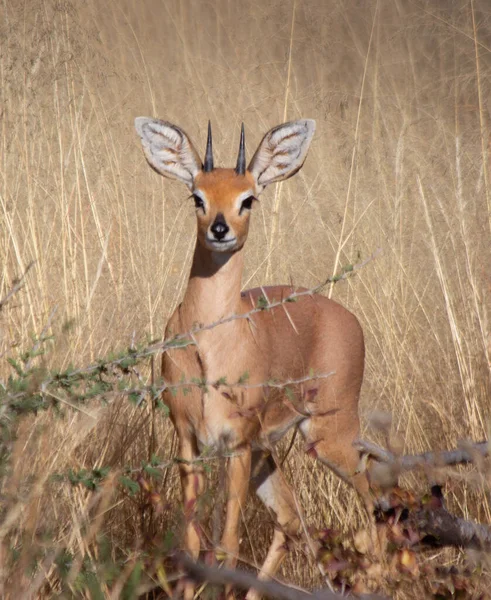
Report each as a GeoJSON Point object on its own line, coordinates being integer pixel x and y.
{"type": "Point", "coordinates": [293, 297]}
{"type": "Point", "coordinates": [245, 581]}
{"type": "Point", "coordinates": [457, 456]}
{"type": "Point", "coordinates": [449, 530]}
{"type": "Point", "coordinates": [157, 391]}
{"type": "Point", "coordinates": [187, 338]}
{"type": "Point", "coordinates": [74, 376]}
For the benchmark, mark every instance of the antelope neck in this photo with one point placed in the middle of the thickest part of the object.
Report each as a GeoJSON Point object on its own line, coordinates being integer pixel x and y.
{"type": "Point", "coordinates": [214, 285]}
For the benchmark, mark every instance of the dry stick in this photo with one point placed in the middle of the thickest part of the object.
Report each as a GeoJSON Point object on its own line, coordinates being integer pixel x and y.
{"type": "Point", "coordinates": [293, 297]}
{"type": "Point", "coordinates": [156, 392]}
{"type": "Point", "coordinates": [188, 337]}
{"type": "Point", "coordinates": [245, 581]}
{"type": "Point", "coordinates": [457, 456]}
{"type": "Point", "coordinates": [447, 529]}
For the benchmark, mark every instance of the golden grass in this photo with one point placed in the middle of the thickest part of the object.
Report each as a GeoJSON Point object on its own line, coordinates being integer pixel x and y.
{"type": "Point", "coordinates": [400, 161]}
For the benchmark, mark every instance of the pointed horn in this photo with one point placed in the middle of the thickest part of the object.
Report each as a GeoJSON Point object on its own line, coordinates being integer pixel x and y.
{"type": "Point", "coordinates": [208, 166]}
{"type": "Point", "coordinates": [240, 169]}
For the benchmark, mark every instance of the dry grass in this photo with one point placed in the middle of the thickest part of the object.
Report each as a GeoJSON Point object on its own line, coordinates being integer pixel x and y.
{"type": "Point", "coordinates": [400, 161]}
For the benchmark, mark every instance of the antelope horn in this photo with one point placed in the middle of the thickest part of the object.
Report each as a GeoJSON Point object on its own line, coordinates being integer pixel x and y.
{"type": "Point", "coordinates": [241, 159]}
{"type": "Point", "coordinates": [208, 166]}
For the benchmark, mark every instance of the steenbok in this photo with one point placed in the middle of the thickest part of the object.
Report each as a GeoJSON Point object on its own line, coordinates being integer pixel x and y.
{"type": "Point", "coordinates": [311, 335]}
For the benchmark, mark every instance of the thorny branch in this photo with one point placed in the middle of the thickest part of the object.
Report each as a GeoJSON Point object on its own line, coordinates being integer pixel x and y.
{"type": "Point", "coordinates": [185, 339]}
{"type": "Point", "coordinates": [73, 376]}
{"type": "Point", "coordinates": [221, 385]}
{"type": "Point", "coordinates": [266, 305]}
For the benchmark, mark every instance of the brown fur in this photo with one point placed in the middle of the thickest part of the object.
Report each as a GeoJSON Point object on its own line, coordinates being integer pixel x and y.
{"type": "Point", "coordinates": [317, 334]}
{"type": "Point", "coordinates": [287, 342]}
{"type": "Point", "coordinates": [222, 187]}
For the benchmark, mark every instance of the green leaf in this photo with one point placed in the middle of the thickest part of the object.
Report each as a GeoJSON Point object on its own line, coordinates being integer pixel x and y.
{"type": "Point", "coordinates": [290, 394]}
{"type": "Point", "coordinates": [64, 562]}
{"type": "Point", "coordinates": [155, 460]}
{"type": "Point", "coordinates": [153, 472]}
{"type": "Point", "coordinates": [15, 365]}
{"type": "Point", "coordinates": [169, 540]}
{"type": "Point", "coordinates": [162, 407]}
{"type": "Point", "coordinates": [129, 484]}
{"type": "Point", "coordinates": [179, 343]}
{"type": "Point", "coordinates": [94, 587]}
{"type": "Point", "coordinates": [101, 473]}
{"type": "Point", "coordinates": [130, 590]}
{"type": "Point", "coordinates": [262, 302]}
{"type": "Point", "coordinates": [134, 397]}
{"type": "Point", "coordinates": [244, 378]}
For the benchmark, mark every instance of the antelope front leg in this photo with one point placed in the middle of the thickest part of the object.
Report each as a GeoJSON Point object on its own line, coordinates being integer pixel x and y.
{"type": "Point", "coordinates": [238, 475]}
{"type": "Point", "coordinates": [192, 482]}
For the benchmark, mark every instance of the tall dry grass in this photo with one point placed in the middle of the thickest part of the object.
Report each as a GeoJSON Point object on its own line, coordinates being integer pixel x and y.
{"type": "Point", "coordinates": [400, 161]}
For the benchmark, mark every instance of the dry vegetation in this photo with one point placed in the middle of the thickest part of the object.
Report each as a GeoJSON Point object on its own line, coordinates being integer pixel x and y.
{"type": "Point", "coordinates": [400, 161]}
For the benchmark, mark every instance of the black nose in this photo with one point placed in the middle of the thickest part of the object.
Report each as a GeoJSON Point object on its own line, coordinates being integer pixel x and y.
{"type": "Point", "coordinates": [219, 227]}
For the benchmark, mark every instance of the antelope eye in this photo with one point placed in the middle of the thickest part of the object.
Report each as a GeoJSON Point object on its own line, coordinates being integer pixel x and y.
{"type": "Point", "coordinates": [198, 202]}
{"type": "Point", "coordinates": [246, 204]}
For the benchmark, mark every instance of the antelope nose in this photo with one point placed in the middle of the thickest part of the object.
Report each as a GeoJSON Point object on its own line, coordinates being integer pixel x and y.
{"type": "Point", "coordinates": [219, 227]}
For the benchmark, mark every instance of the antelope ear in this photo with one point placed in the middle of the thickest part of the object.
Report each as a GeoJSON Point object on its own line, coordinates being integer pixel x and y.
{"type": "Point", "coordinates": [168, 150]}
{"type": "Point", "coordinates": [281, 152]}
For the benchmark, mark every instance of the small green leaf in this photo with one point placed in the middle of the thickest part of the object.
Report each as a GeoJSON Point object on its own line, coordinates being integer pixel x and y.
{"type": "Point", "coordinates": [179, 343]}
{"type": "Point", "coordinates": [262, 302]}
{"type": "Point", "coordinates": [129, 484]}
{"type": "Point", "coordinates": [290, 394]}
{"type": "Point", "coordinates": [130, 590]}
{"type": "Point", "coordinates": [244, 378]}
{"type": "Point", "coordinates": [153, 472]}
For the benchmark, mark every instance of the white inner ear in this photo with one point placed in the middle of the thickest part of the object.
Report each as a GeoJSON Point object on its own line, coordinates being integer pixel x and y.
{"type": "Point", "coordinates": [282, 152]}
{"type": "Point", "coordinates": [168, 149]}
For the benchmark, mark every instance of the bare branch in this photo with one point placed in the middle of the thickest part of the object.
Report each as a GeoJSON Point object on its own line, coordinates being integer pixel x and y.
{"type": "Point", "coordinates": [218, 385]}
{"type": "Point", "coordinates": [449, 530]}
{"type": "Point", "coordinates": [187, 338]}
{"type": "Point", "coordinates": [245, 581]}
{"type": "Point", "coordinates": [293, 297]}
{"type": "Point", "coordinates": [465, 454]}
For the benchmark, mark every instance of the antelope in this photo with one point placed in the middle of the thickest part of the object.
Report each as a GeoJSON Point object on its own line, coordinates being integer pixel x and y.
{"type": "Point", "coordinates": [312, 334]}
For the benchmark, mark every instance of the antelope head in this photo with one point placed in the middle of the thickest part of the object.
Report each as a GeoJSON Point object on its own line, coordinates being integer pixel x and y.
{"type": "Point", "coordinates": [224, 197]}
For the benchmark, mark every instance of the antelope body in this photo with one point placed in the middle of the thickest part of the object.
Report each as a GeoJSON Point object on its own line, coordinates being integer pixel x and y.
{"type": "Point", "coordinates": [313, 334]}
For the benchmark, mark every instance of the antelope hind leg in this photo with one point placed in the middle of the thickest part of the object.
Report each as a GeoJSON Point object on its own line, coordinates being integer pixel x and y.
{"type": "Point", "coordinates": [275, 493]}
